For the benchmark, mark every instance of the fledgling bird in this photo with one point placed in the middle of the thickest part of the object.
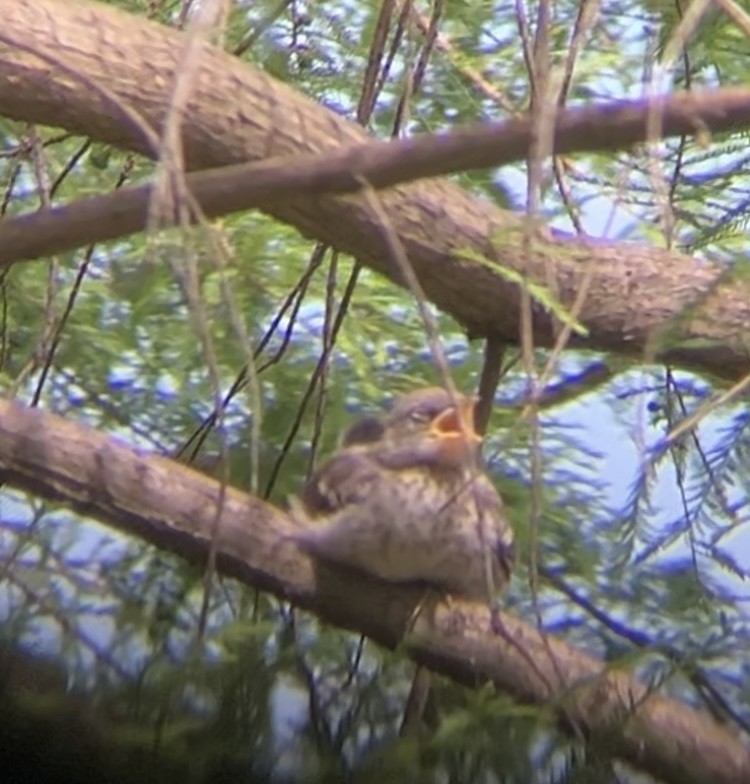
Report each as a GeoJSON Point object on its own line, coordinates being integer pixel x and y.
{"type": "Point", "coordinates": [405, 501]}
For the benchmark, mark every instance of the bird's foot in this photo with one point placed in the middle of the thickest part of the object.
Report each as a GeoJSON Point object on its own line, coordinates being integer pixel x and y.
{"type": "Point", "coordinates": [431, 596]}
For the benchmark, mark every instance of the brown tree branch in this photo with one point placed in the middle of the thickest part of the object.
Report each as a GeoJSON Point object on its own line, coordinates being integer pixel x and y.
{"type": "Point", "coordinates": [175, 508]}
{"type": "Point", "coordinates": [641, 299]}
{"type": "Point", "coordinates": [382, 164]}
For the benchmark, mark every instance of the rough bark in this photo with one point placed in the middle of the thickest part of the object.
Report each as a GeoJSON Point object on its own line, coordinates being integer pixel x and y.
{"type": "Point", "coordinates": [176, 509]}
{"type": "Point", "coordinates": [95, 70]}
{"type": "Point", "coordinates": [379, 164]}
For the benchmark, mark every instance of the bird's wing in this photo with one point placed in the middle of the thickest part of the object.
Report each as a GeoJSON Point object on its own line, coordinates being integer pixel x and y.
{"type": "Point", "coordinates": [347, 479]}
{"type": "Point", "coordinates": [334, 511]}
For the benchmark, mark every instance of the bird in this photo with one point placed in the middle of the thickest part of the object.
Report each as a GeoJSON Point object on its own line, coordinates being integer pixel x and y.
{"type": "Point", "coordinates": [404, 500]}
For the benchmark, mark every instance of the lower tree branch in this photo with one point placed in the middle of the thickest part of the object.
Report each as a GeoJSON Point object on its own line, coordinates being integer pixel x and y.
{"type": "Point", "coordinates": [174, 508]}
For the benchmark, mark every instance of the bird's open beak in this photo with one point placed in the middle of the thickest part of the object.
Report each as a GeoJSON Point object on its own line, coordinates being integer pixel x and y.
{"type": "Point", "coordinates": [457, 422]}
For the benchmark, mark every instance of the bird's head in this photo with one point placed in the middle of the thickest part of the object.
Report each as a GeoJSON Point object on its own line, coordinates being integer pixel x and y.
{"type": "Point", "coordinates": [433, 426]}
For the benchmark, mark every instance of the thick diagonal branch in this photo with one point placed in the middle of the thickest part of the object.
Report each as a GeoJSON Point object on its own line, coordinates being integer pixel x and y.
{"type": "Point", "coordinates": [95, 70]}
{"type": "Point", "coordinates": [175, 508]}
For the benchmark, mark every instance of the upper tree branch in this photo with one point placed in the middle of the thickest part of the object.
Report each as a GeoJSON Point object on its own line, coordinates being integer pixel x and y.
{"type": "Point", "coordinates": [175, 508]}
{"type": "Point", "coordinates": [380, 164]}
{"type": "Point", "coordinates": [109, 75]}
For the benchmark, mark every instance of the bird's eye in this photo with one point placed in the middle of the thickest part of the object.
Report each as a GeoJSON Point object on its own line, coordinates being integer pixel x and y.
{"type": "Point", "coordinates": [419, 416]}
